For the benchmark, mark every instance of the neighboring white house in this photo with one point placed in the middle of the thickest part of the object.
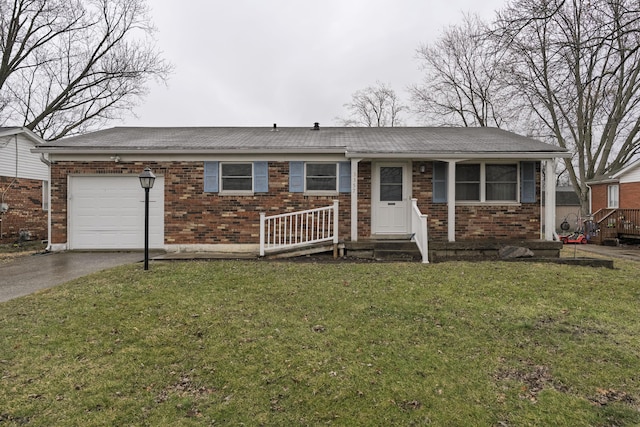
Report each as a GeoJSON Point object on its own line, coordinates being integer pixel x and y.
{"type": "Point", "coordinates": [24, 189]}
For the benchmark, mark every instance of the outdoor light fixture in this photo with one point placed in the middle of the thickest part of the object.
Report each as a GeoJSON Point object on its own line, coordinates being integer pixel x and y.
{"type": "Point", "coordinates": [147, 178]}
{"type": "Point", "coordinates": [423, 168]}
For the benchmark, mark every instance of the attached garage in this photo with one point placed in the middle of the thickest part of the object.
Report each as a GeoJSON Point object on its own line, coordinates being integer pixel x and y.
{"type": "Point", "coordinates": [107, 212]}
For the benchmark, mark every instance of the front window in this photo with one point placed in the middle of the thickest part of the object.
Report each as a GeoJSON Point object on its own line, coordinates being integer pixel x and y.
{"type": "Point", "coordinates": [502, 182]}
{"type": "Point", "coordinates": [613, 196]}
{"type": "Point", "coordinates": [321, 177]}
{"type": "Point", "coordinates": [236, 177]}
{"type": "Point", "coordinates": [487, 182]}
{"type": "Point", "coordinates": [468, 182]}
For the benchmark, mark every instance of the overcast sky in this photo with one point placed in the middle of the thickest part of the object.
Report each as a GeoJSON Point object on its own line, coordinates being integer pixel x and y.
{"type": "Point", "coordinates": [290, 62]}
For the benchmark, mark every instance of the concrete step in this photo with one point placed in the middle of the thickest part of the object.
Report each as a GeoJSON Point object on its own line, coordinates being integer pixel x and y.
{"type": "Point", "coordinates": [388, 250]}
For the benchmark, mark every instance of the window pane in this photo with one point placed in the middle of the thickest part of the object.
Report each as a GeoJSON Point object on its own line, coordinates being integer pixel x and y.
{"type": "Point", "coordinates": [231, 184]}
{"type": "Point", "coordinates": [321, 169]}
{"type": "Point", "coordinates": [502, 173]}
{"type": "Point", "coordinates": [467, 173]}
{"type": "Point", "coordinates": [467, 191]}
{"type": "Point", "coordinates": [501, 191]}
{"type": "Point", "coordinates": [468, 182]}
{"type": "Point", "coordinates": [391, 175]}
{"type": "Point", "coordinates": [613, 196]}
{"type": "Point", "coordinates": [502, 182]}
{"type": "Point", "coordinates": [390, 192]}
{"type": "Point", "coordinates": [322, 177]}
{"type": "Point", "coordinates": [236, 177]}
{"type": "Point", "coordinates": [321, 184]}
{"type": "Point", "coordinates": [236, 169]}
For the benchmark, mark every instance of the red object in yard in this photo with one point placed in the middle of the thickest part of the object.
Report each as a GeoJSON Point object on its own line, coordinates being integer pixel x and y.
{"type": "Point", "coordinates": [574, 238]}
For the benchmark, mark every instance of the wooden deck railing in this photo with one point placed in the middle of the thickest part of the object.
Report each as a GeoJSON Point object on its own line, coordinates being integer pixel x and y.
{"type": "Point", "coordinates": [617, 223]}
{"type": "Point", "coordinates": [298, 229]}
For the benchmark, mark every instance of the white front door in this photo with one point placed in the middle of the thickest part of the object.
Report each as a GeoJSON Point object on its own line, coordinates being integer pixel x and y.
{"type": "Point", "coordinates": [390, 204]}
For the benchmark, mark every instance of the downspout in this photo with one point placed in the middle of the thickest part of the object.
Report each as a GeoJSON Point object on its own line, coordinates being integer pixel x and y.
{"type": "Point", "coordinates": [354, 199]}
{"type": "Point", "coordinates": [47, 162]}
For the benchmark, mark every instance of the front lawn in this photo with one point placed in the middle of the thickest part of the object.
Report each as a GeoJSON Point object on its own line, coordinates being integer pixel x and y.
{"type": "Point", "coordinates": [280, 343]}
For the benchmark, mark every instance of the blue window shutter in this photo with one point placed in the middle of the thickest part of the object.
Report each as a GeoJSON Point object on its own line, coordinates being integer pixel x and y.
{"type": "Point", "coordinates": [439, 182]}
{"type": "Point", "coordinates": [211, 177]}
{"type": "Point", "coordinates": [527, 182]}
{"type": "Point", "coordinates": [344, 182]}
{"type": "Point", "coordinates": [296, 177]}
{"type": "Point", "coordinates": [261, 177]}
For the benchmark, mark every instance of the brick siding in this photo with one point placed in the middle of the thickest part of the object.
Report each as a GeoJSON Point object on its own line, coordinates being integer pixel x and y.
{"type": "Point", "coordinates": [195, 217]}
{"type": "Point", "coordinates": [599, 197]}
{"type": "Point", "coordinates": [476, 222]}
{"type": "Point", "coordinates": [630, 195]}
{"type": "Point", "coordinates": [192, 216]}
{"type": "Point", "coordinates": [24, 197]}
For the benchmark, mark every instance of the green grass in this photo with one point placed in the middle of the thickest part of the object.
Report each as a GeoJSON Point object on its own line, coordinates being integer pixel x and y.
{"type": "Point", "coordinates": [261, 343]}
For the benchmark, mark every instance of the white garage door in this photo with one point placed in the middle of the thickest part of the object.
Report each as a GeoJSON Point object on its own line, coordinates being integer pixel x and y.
{"type": "Point", "coordinates": [107, 212]}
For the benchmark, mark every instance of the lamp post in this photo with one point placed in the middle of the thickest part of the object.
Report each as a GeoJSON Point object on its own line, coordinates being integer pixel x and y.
{"type": "Point", "coordinates": [147, 178]}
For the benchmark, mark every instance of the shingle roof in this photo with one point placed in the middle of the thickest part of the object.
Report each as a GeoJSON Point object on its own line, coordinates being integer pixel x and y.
{"type": "Point", "coordinates": [352, 140]}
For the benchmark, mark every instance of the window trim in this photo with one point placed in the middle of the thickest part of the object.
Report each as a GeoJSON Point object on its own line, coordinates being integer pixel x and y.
{"type": "Point", "coordinates": [323, 192]}
{"type": "Point", "coordinates": [617, 194]}
{"type": "Point", "coordinates": [239, 192]}
{"type": "Point", "coordinates": [483, 185]}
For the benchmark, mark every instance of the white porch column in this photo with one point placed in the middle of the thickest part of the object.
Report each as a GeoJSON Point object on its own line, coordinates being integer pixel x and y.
{"type": "Point", "coordinates": [550, 200]}
{"type": "Point", "coordinates": [354, 199]}
{"type": "Point", "coordinates": [451, 200]}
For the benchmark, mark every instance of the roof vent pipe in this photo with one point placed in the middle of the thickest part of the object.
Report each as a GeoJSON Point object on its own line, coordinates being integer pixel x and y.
{"type": "Point", "coordinates": [316, 126]}
{"type": "Point", "coordinates": [275, 128]}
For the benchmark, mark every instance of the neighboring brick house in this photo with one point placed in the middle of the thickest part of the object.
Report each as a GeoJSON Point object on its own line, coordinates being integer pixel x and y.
{"type": "Point", "coordinates": [23, 187]}
{"type": "Point", "coordinates": [213, 183]}
{"type": "Point", "coordinates": [617, 191]}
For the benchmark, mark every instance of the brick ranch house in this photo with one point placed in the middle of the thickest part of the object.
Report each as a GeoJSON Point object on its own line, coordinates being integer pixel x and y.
{"type": "Point", "coordinates": [213, 183]}
{"type": "Point", "coordinates": [23, 187]}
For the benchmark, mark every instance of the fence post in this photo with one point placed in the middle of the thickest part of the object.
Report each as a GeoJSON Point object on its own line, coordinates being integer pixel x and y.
{"type": "Point", "coordinates": [262, 232]}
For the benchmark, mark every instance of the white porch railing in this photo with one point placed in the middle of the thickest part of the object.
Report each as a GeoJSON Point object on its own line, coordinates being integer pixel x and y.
{"type": "Point", "coordinates": [297, 229]}
{"type": "Point", "coordinates": [419, 230]}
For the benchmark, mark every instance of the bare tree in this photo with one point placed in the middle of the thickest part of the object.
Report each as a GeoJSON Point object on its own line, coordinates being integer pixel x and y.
{"type": "Point", "coordinates": [71, 65]}
{"type": "Point", "coordinates": [374, 106]}
{"type": "Point", "coordinates": [576, 66]}
{"type": "Point", "coordinates": [461, 84]}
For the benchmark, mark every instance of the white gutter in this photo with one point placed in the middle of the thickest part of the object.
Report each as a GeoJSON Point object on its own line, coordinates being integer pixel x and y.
{"type": "Point", "coordinates": [186, 150]}
{"type": "Point", "coordinates": [466, 155]}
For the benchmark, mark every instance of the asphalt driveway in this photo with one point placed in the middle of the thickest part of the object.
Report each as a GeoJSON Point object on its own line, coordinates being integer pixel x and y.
{"type": "Point", "coordinates": [28, 274]}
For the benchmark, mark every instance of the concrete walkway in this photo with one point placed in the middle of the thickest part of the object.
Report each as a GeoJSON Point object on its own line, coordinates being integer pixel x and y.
{"type": "Point", "coordinates": [628, 252]}
{"type": "Point", "coordinates": [25, 275]}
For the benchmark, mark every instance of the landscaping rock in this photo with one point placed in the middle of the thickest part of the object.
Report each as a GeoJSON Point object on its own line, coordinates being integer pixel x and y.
{"type": "Point", "coordinates": [511, 252]}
